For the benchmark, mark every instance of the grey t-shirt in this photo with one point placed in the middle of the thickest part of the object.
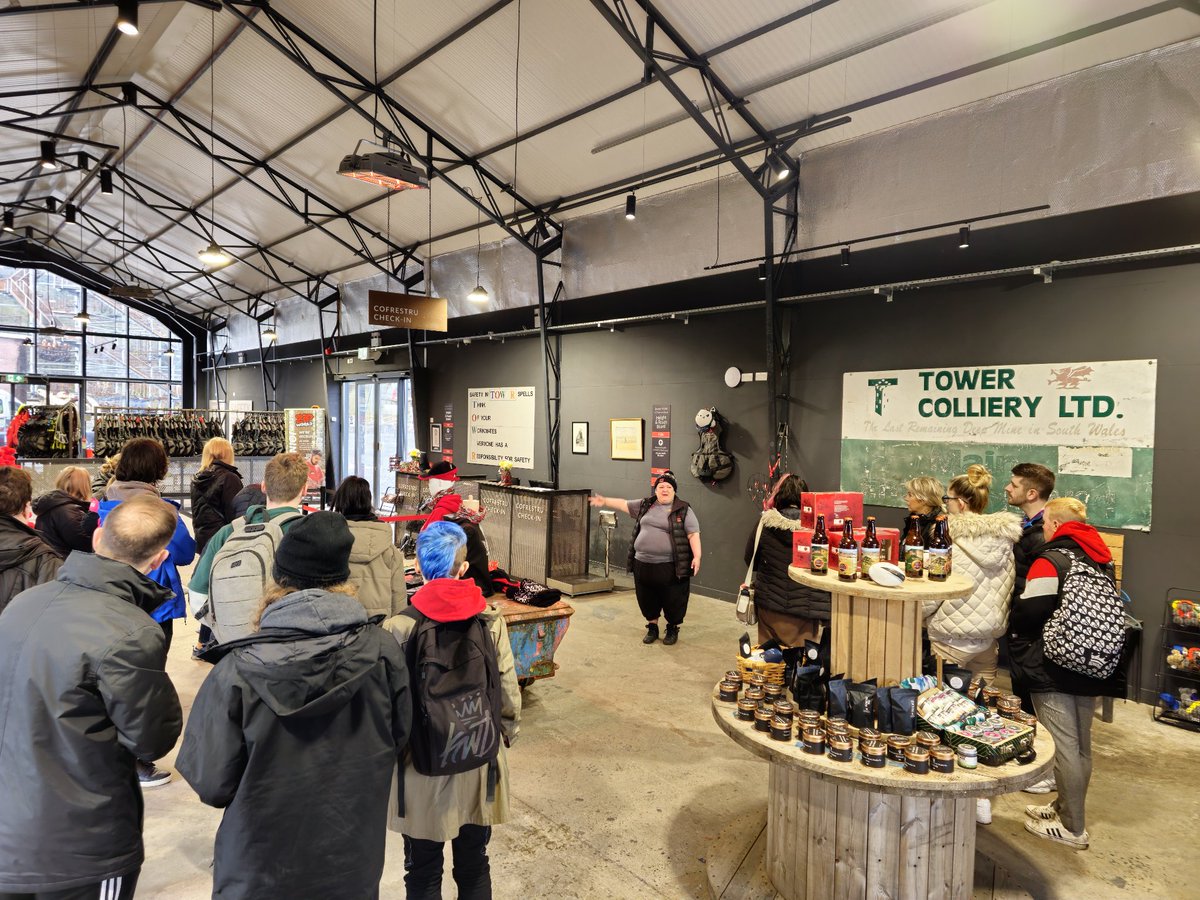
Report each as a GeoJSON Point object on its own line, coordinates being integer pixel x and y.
{"type": "Point", "coordinates": [653, 544]}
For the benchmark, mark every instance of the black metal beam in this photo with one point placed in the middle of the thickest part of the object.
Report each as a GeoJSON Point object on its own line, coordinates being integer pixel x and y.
{"type": "Point", "coordinates": [67, 6]}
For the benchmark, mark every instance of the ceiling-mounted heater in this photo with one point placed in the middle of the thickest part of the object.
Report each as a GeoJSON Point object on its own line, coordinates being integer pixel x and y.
{"type": "Point", "coordinates": [386, 168]}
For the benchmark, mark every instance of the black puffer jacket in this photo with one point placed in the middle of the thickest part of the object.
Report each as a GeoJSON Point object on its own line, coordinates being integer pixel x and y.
{"type": "Point", "coordinates": [773, 589]}
{"type": "Point", "coordinates": [82, 694]}
{"type": "Point", "coordinates": [64, 522]}
{"type": "Point", "coordinates": [296, 732]}
{"type": "Point", "coordinates": [251, 495]}
{"type": "Point", "coordinates": [25, 560]}
{"type": "Point", "coordinates": [213, 493]}
{"type": "Point", "coordinates": [1027, 548]}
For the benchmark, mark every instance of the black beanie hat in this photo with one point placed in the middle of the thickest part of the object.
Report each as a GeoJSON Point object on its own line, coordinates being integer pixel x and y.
{"type": "Point", "coordinates": [669, 477]}
{"type": "Point", "coordinates": [315, 552]}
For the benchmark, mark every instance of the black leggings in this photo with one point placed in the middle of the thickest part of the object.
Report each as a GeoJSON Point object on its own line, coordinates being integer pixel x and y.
{"type": "Point", "coordinates": [660, 592]}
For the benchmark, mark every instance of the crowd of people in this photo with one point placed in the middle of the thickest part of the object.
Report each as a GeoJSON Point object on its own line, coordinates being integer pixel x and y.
{"type": "Point", "coordinates": [319, 710]}
{"type": "Point", "coordinates": [313, 729]}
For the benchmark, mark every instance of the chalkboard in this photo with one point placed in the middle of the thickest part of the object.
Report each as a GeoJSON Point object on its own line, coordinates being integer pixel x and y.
{"type": "Point", "coordinates": [880, 468]}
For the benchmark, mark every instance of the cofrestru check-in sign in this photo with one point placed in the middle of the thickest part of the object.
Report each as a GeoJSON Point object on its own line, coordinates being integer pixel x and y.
{"type": "Point", "coordinates": [392, 310]}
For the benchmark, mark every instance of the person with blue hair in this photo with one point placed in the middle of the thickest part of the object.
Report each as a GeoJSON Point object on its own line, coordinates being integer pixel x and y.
{"type": "Point", "coordinates": [458, 808]}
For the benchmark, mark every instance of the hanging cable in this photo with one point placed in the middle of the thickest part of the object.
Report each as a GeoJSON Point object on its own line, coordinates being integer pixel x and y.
{"type": "Point", "coordinates": [516, 111]}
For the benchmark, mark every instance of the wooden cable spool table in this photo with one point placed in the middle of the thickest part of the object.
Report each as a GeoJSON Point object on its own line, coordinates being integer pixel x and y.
{"type": "Point", "coordinates": [839, 829]}
{"type": "Point", "coordinates": [876, 630]}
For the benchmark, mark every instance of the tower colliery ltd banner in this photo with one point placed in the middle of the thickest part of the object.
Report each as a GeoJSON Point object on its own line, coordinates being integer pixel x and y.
{"type": "Point", "coordinates": [1092, 423]}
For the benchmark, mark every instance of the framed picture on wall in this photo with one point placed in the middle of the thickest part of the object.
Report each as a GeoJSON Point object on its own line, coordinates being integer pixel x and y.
{"type": "Point", "coordinates": [579, 437]}
{"type": "Point", "coordinates": [435, 438]}
{"type": "Point", "coordinates": [625, 438]}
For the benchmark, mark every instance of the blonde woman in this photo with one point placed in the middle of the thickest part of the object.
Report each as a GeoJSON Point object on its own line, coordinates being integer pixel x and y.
{"type": "Point", "coordinates": [64, 517]}
{"type": "Point", "coordinates": [106, 473]}
{"type": "Point", "coordinates": [213, 490]}
{"type": "Point", "coordinates": [923, 496]}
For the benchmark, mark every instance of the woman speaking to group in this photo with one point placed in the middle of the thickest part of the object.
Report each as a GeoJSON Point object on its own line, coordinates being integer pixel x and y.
{"type": "Point", "coordinates": [664, 554]}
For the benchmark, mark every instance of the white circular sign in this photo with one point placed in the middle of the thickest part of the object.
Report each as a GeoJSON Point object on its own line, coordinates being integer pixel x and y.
{"type": "Point", "coordinates": [733, 376]}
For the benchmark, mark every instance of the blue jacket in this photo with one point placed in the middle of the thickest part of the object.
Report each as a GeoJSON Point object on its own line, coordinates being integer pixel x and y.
{"type": "Point", "coordinates": [182, 549]}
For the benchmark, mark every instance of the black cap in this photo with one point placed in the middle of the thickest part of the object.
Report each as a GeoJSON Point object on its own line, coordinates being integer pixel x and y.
{"type": "Point", "coordinates": [315, 552]}
{"type": "Point", "coordinates": [669, 477]}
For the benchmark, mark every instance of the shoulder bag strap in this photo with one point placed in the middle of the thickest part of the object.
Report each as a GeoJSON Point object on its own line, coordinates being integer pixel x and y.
{"type": "Point", "coordinates": [754, 555]}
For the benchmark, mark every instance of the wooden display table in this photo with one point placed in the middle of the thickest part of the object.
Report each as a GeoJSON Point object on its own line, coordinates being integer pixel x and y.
{"type": "Point", "coordinates": [843, 830]}
{"type": "Point", "coordinates": [876, 630]}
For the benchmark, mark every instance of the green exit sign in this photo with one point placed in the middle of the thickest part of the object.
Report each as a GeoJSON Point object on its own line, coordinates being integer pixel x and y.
{"type": "Point", "coordinates": [16, 379]}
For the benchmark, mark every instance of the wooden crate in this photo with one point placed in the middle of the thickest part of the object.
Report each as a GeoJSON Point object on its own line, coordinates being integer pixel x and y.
{"type": "Point", "coordinates": [1116, 546]}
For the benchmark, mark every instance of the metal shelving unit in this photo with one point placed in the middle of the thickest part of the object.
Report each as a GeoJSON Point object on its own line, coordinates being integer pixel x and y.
{"type": "Point", "coordinates": [1169, 680]}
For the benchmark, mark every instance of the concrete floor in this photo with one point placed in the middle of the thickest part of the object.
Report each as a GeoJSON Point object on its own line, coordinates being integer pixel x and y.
{"type": "Point", "coordinates": [622, 782]}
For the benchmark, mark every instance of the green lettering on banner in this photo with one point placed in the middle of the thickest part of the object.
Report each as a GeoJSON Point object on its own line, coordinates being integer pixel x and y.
{"type": "Point", "coordinates": [925, 376]}
{"type": "Point", "coordinates": [944, 380]}
{"type": "Point", "coordinates": [988, 382]}
{"type": "Point", "coordinates": [994, 405]}
{"type": "Point", "coordinates": [1005, 379]}
{"type": "Point", "coordinates": [967, 379]}
{"type": "Point", "coordinates": [1107, 410]}
{"type": "Point", "coordinates": [1032, 403]}
{"type": "Point", "coordinates": [1012, 407]}
{"type": "Point", "coordinates": [925, 407]}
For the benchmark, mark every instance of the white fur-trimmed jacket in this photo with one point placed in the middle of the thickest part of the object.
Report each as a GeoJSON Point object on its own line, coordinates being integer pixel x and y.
{"type": "Point", "coordinates": [983, 551]}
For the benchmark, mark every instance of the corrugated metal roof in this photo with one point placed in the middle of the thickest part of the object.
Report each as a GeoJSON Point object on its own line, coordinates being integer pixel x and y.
{"type": "Point", "coordinates": [827, 56]}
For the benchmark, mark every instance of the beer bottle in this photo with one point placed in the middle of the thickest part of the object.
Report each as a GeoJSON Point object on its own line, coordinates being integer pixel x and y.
{"type": "Point", "coordinates": [939, 551]}
{"type": "Point", "coordinates": [818, 559]}
{"type": "Point", "coordinates": [914, 548]}
{"type": "Point", "coordinates": [869, 554]}
{"type": "Point", "coordinates": [848, 553]}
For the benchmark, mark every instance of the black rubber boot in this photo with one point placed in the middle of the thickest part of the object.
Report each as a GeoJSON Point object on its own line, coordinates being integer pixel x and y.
{"type": "Point", "coordinates": [672, 634]}
{"type": "Point", "coordinates": [651, 633]}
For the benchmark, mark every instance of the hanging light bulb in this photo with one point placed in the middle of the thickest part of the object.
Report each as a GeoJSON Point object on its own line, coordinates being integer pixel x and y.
{"type": "Point", "coordinates": [270, 335]}
{"type": "Point", "coordinates": [82, 319]}
{"type": "Point", "coordinates": [170, 354]}
{"type": "Point", "coordinates": [631, 206]}
{"type": "Point", "coordinates": [127, 17]}
{"type": "Point", "coordinates": [49, 158]}
{"type": "Point", "coordinates": [215, 255]}
{"type": "Point", "coordinates": [478, 295]}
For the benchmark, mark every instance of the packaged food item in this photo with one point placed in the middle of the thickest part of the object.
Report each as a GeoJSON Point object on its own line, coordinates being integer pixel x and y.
{"type": "Point", "coordinates": [813, 740]}
{"type": "Point", "coordinates": [968, 756]}
{"type": "Point", "coordinates": [873, 754]}
{"type": "Point", "coordinates": [916, 760]}
{"type": "Point", "coordinates": [860, 702]}
{"type": "Point", "coordinates": [896, 745]}
{"type": "Point", "coordinates": [781, 729]}
{"type": "Point", "coordinates": [904, 710]}
{"type": "Point", "coordinates": [941, 759]}
{"type": "Point", "coordinates": [883, 709]}
{"type": "Point", "coordinates": [841, 749]}
{"type": "Point", "coordinates": [839, 703]}
{"type": "Point", "coordinates": [728, 691]}
{"type": "Point", "coordinates": [762, 718]}
{"type": "Point", "coordinates": [745, 709]}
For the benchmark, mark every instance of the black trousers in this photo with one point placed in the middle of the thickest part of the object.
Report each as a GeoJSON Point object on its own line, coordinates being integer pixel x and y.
{"type": "Point", "coordinates": [423, 862]}
{"type": "Point", "coordinates": [119, 888]}
{"type": "Point", "coordinates": [660, 592]}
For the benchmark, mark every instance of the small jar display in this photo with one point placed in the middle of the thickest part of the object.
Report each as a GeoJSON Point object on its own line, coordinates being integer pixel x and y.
{"type": "Point", "coordinates": [755, 693]}
{"type": "Point", "coordinates": [1008, 706]}
{"type": "Point", "coordinates": [968, 756]}
{"type": "Point", "coordinates": [916, 760]}
{"type": "Point", "coordinates": [869, 736]}
{"type": "Point", "coordinates": [774, 692]}
{"type": "Point", "coordinates": [896, 745]}
{"type": "Point", "coordinates": [733, 675]}
{"type": "Point", "coordinates": [745, 709]}
{"type": "Point", "coordinates": [990, 696]}
{"type": "Point", "coordinates": [941, 760]}
{"type": "Point", "coordinates": [873, 754]}
{"type": "Point", "coordinates": [841, 748]}
{"type": "Point", "coordinates": [762, 718]}
{"type": "Point", "coordinates": [784, 709]}
{"type": "Point", "coordinates": [813, 740]}
{"type": "Point", "coordinates": [927, 739]}
{"type": "Point", "coordinates": [728, 691]}
{"type": "Point", "coordinates": [781, 728]}
{"type": "Point", "coordinates": [758, 679]}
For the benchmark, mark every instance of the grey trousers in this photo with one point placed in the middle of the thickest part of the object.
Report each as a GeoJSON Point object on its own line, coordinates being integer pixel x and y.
{"type": "Point", "coordinates": [1069, 719]}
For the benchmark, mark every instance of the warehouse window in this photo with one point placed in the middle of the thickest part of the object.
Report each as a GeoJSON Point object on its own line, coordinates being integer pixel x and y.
{"type": "Point", "coordinates": [119, 359]}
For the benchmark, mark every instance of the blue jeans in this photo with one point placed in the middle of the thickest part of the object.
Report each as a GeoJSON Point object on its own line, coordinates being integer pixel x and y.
{"type": "Point", "coordinates": [423, 861]}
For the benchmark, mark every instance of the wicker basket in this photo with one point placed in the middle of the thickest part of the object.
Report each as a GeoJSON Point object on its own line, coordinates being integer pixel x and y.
{"type": "Point", "coordinates": [772, 671]}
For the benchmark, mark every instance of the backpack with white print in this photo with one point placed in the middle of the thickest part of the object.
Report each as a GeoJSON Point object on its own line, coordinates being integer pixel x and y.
{"type": "Point", "coordinates": [1086, 634]}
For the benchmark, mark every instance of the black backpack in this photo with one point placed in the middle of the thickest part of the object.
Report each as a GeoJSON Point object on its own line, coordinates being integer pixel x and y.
{"type": "Point", "coordinates": [455, 674]}
{"type": "Point", "coordinates": [1086, 633]}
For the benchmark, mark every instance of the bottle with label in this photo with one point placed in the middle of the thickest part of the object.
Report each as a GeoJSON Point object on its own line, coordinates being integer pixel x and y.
{"type": "Point", "coordinates": [870, 552]}
{"type": "Point", "coordinates": [914, 548]}
{"type": "Point", "coordinates": [848, 553]}
{"type": "Point", "coordinates": [938, 567]}
{"type": "Point", "coordinates": [818, 559]}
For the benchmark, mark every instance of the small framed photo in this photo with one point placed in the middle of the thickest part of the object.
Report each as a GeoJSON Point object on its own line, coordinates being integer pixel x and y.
{"type": "Point", "coordinates": [625, 438]}
{"type": "Point", "coordinates": [579, 437]}
{"type": "Point", "coordinates": [435, 438]}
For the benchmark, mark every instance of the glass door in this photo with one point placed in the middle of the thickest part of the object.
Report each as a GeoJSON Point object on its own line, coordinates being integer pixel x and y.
{"type": "Point", "coordinates": [378, 426]}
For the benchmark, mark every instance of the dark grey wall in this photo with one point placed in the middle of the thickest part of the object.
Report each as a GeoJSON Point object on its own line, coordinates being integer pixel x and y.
{"type": "Point", "coordinates": [1143, 313]}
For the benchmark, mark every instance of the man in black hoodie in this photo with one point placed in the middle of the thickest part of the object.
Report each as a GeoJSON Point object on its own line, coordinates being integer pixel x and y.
{"type": "Point", "coordinates": [297, 729]}
{"type": "Point", "coordinates": [83, 694]}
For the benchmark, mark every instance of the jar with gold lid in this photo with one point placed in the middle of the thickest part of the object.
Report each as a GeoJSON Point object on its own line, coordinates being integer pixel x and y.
{"type": "Point", "coordinates": [896, 745]}
{"type": "Point", "coordinates": [781, 728]}
{"type": "Point", "coordinates": [941, 759]}
{"type": "Point", "coordinates": [745, 709]}
{"type": "Point", "coordinates": [873, 754]}
{"type": "Point", "coordinates": [926, 739]}
{"type": "Point", "coordinates": [727, 691]}
{"type": "Point", "coordinates": [841, 748]}
{"type": "Point", "coordinates": [916, 760]}
{"type": "Point", "coordinates": [813, 740]}
{"type": "Point", "coordinates": [762, 718]}
{"type": "Point", "coordinates": [785, 709]}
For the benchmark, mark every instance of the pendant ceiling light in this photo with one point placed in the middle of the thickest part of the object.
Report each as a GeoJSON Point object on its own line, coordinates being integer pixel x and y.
{"type": "Point", "coordinates": [9, 220]}
{"type": "Point", "coordinates": [170, 354]}
{"type": "Point", "coordinates": [127, 17]}
{"type": "Point", "coordinates": [49, 157]}
{"type": "Point", "coordinates": [478, 295]}
{"type": "Point", "coordinates": [106, 181]}
{"type": "Point", "coordinates": [964, 237]}
{"type": "Point", "coordinates": [270, 335]}
{"type": "Point", "coordinates": [214, 254]}
{"type": "Point", "coordinates": [82, 319]}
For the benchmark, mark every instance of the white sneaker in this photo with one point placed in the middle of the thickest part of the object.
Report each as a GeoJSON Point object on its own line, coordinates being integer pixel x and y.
{"type": "Point", "coordinates": [1045, 786]}
{"type": "Point", "coordinates": [1046, 813]}
{"type": "Point", "coordinates": [983, 811]}
{"type": "Point", "coordinates": [1054, 830]}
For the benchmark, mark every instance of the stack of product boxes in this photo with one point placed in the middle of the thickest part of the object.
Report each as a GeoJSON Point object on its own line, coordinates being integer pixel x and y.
{"type": "Point", "coordinates": [836, 507]}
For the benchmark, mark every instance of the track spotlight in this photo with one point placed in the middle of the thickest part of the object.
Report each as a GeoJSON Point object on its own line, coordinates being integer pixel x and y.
{"type": "Point", "coordinates": [631, 206]}
{"type": "Point", "coordinates": [69, 213]}
{"type": "Point", "coordinates": [51, 205]}
{"type": "Point", "coordinates": [964, 237]}
{"type": "Point", "coordinates": [29, 232]}
{"type": "Point", "coordinates": [782, 167]}
{"type": "Point", "coordinates": [762, 271]}
{"type": "Point", "coordinates": [49, 157]}
{"type": "Point", "coordinates": [106, 181]}
{"type": "Point", "coordinates": [9, 220]}
{"type": "Point", "coordinates": [215, 255]}
{"type": "Point", "coordinates": [81, 161]}
{"type": "Point", "coordinates": [479, 295]}
{"type": "Point", "coordinates": [542, 231]}
{"type": "Point", "coordinates": [127, 17]}
{"type": "Point", "coordinates": [82, 319]}
{"type": "Point", "coordinates": [845, 256]}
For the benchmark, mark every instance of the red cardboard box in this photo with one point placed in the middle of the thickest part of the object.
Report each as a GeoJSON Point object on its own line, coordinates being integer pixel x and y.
{"type": "Point", "coordinates": [833, 505]}
{"type": "Point", "coordinates": [889, 545]}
